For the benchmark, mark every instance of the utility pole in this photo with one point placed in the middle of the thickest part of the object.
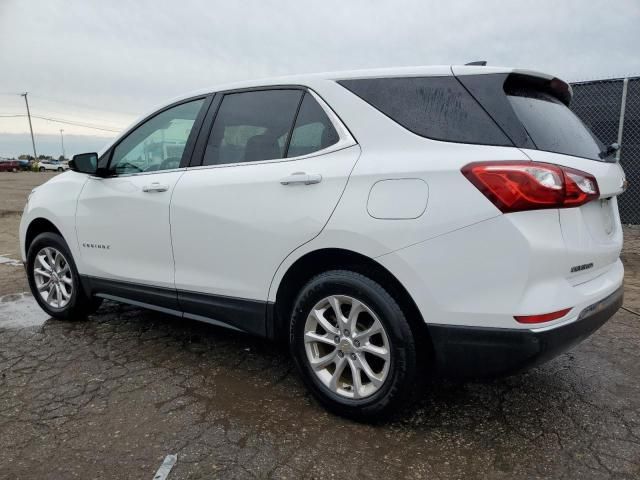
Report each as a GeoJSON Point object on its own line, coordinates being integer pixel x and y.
{"type": "Point", "coordinates": [62, 140]}
{"type": "Point", "coordinates": [33, 142]}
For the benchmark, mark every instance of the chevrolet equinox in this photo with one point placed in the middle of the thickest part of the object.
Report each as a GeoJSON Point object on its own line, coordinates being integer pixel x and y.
{"type": "Point", "coordinates": [461, 218]}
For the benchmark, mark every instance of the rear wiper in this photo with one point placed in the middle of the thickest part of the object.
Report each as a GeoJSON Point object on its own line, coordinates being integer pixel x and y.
{"type": "Point", "coordinates": [610, 150]}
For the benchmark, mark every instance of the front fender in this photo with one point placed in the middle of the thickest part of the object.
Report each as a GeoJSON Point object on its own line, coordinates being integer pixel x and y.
{"type": "Point", "coordinates": [56, 202]}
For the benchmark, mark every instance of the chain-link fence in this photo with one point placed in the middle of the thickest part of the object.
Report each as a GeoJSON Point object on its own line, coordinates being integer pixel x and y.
{"type": "Point", "coordinates": [611, 108]}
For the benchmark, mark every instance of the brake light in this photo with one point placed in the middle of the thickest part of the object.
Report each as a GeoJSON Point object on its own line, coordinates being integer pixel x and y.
{"type": "Point", "coordinates": [516, 186]}
{"type": "Point", "coordinates": [545, 317]}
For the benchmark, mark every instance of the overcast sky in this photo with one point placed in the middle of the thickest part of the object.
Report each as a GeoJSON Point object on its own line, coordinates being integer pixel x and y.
{"type": "Point", "coordinates": [106, 62]}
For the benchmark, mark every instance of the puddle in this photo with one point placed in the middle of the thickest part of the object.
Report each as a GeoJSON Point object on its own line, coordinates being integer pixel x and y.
{"type": "Point", "coordinates": [20, 311]}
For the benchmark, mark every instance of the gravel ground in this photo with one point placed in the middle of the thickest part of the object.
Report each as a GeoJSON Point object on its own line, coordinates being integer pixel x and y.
{"type": "Point", "coordinates": [111, 397]}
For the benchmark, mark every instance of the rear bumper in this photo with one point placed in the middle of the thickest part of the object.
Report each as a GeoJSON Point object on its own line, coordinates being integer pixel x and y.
{"type": "Point", "coordinates": [480, 351]}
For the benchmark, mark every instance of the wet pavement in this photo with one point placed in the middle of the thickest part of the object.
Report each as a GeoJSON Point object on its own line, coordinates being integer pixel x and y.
{"type": "Point", "coordinates": [111, 397]}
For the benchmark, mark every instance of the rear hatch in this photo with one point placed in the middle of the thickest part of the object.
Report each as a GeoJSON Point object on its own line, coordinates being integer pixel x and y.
{"type": "Point", "coordinates": [532, 109]}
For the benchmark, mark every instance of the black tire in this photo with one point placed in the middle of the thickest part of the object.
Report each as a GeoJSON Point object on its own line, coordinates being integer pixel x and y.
{"type": "Point", "coordinates": [397, 386]}
{"type": "Point", "coordinates": [42, 169]}
{"type": "Point", "coordinates": [60, 169]}
{"type": "Point", "coordinates": [80, 304]}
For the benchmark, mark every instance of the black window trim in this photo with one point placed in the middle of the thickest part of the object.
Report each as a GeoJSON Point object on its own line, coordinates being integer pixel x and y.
{"type": "Point", "coordinates": [345, 137]}
{"type": "Point", "coordinates": [104, 162]}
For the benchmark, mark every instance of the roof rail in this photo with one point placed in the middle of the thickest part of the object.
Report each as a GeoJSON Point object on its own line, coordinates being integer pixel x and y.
{"type": "Point", "coordinates": [479, 63]}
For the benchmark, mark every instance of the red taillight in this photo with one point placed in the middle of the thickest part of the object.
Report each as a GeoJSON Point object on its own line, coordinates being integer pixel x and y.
{"type": "Point", "coordinates": [517, 186]}
{"type": "Point", "coordinates": [545, 317]}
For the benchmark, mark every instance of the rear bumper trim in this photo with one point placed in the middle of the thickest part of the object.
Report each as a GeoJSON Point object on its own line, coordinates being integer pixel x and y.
{"type": "Point", "coordinates": [481, 351]}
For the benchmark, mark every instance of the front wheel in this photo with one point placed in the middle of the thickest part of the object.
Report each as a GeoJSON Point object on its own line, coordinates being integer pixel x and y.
{"type": "Point", "coordinates": [60, 169]}
{"type": "Point", "coordinates": [352, 345]}
{"type": "Point", "coordinates": [54, 280]}
{"type": "Point", "coordinates": [42, 169]}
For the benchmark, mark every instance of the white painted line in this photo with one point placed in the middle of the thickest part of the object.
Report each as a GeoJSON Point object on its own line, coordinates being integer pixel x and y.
{"type": "Point", "coordinates": [165, 468]}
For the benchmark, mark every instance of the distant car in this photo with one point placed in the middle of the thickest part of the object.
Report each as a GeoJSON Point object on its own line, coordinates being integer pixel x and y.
{"type": "Point", "coordinates": [9, 165]}
{"type": "Point", "coordinates": [55, 165]}
{"type": "Point", "coordinates": [24, 165]}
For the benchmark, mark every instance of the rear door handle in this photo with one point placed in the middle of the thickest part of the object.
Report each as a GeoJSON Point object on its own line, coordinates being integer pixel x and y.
{"type": "Point", "coordinates": [155, 187]}
{"type": "Point", "coordinates": [301, 178]}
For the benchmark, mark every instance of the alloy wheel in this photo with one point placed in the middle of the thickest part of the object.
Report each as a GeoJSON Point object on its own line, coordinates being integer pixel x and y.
{"type": "Point", "coordinates": [347, 346]}
{"type": "Point", "coordinates": [53, 279]}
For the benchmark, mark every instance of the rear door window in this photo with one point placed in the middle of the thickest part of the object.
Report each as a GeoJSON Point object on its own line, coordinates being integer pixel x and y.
{"type": "Point", "coordinates": [252, 126]}
{"type": "Point", "coordinates": [313, 130]}
{"type": "Point", "coordinates": [434, 107]}
{"type": "Point", "coordinates": [551, 125]}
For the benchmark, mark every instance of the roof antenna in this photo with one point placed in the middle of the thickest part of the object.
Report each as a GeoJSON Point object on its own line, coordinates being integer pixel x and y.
{"type": "Point", "coordinates": [479, 63]}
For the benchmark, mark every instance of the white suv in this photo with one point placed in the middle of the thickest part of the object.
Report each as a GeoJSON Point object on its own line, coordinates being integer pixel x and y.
{"type": "Point", "coordinates": [455, 217]}
{"type": "Point", "coordinates": [52, 165]}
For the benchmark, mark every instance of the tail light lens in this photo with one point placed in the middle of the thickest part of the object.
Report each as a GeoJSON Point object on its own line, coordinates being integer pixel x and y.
{"type": "Point", "coordinates": [517, 186]}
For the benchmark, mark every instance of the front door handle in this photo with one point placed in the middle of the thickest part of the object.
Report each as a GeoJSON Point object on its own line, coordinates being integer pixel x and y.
{"type": "Point", "coordinates": [301, 178]}
{"type": "Point", "coordinates": [155, 187]}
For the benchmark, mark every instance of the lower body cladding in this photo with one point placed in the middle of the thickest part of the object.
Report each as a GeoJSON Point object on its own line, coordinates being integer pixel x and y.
{"type": "Point", "coordinates": [249, 316]}
{"type": "Point", "coordinates": [478, 351]}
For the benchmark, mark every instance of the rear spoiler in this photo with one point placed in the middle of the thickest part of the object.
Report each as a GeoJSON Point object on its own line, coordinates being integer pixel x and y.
{"type": "Point", "coordinates": [553, 85]}
{"type": "Point", "coordinates": [518, 78]}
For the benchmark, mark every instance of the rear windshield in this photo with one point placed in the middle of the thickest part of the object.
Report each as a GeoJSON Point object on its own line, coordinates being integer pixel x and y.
{"type": "Point", "coordinates": [439, 108]}
{"type": "Point", "coordinates": [551, 125]}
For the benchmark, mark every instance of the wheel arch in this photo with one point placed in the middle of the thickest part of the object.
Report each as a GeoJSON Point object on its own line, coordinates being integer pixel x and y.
{"type": "Point", "coordinates": [322, 260]}
{"type": "Point", "coordinates": [36, 227]}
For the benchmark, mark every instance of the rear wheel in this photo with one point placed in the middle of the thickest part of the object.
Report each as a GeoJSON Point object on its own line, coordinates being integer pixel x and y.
{"type": "Point", "coordinates": [60, 169]}
{"type": "Point", "coordinates": [54, 280]}
{"type": "Point", "coordinates": [353, 345]}
{"type": "Point", "coordinates": [42, 169]}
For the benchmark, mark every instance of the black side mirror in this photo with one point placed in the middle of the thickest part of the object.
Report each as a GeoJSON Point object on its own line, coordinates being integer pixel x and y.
{"type": "Point", "coordinates": [84, 163]}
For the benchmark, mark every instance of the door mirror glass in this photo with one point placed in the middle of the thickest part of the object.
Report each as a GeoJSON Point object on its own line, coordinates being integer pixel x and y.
{"type": "Point", "coordinates": [84, 163]}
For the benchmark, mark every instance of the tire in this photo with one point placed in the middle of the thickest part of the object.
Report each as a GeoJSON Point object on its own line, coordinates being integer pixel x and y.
{"type": "Point", "coordinates": [42, 169]}
{"type": "Point", "coordinates": [60, 169]}
{"type": "Point", "coordinates": [353, 290]}
{"type": "Point", "coordinates": [14, 170]}
{"type": "Point", "coordinates": [77, 305]}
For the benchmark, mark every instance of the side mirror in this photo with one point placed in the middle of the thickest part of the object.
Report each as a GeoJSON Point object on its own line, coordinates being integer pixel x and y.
{"type": "Point", "coordinates": [84, 163]}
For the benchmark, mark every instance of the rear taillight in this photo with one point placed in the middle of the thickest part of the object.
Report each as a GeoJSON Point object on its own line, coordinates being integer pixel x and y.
{"type": "Point", "coordinates": [517, 186]}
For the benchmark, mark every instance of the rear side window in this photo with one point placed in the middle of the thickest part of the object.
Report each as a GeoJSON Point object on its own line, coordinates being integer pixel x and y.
{"type": "Point", "coordinates": [313, 130]}
{"type": "Point", "coordinates": [551, 125]}
{"type": "Point", "coordinates": [434, 107]}
{"type": "Point", "coordinates": [252, 126]}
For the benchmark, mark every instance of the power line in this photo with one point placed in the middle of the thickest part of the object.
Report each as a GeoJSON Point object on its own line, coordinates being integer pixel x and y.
{"type": "Point", "coordinates": [79, 124]}
{"type": "Point", "coordinates": [76, 104]}
{"type": "Point", "coordinates": [65, 121]}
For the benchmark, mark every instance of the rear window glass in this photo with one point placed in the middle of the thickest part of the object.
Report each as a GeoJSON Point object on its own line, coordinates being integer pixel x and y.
{"type": "Point", "coordinates": [551, 125]}
{"type": "Point", "coordinates": [434, 107]}
{"type": "Point", "coordinates": [313, 130]}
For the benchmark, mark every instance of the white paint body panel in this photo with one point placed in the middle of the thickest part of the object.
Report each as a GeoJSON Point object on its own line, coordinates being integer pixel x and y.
{"type": "Point", "coordinates": [234, 224]}
{"type": "Point", "coordinates": [56, 201]}
{"type": "Point", "coordinates": [133, 223]}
